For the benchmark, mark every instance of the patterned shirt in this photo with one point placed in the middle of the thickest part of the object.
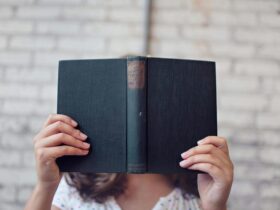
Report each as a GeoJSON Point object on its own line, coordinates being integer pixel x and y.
{"type": "Point", "coordinates": [67, 198]}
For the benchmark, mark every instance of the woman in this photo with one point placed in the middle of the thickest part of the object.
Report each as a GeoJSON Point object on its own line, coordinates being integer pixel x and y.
{"type": "Point", "coordinates": [59, 137]}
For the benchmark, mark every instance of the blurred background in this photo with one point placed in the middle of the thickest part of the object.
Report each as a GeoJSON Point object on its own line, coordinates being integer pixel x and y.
{"type": "Point", "coordinates": [242, 36]}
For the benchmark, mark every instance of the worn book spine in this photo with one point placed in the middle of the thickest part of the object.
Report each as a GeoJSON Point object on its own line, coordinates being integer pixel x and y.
{"type": "Point", "coordinates": [136, 114]}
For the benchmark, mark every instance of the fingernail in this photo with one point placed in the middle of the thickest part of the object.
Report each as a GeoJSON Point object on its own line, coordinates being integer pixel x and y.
{"type": "Point", "coordinates": [200, 142]}
{"type": "Point", "coordinates": [85, 151]}
{"type": "Point", "coordinates": [84, 136]}
{"type": "Point", "coordinates": [87, 145]}
{"type": "Point", "coordinates": [74, 123]}
{"type": "Point", "coordinates": [184, 155]}
{"type": "Point", "coordinates": [181, 163]}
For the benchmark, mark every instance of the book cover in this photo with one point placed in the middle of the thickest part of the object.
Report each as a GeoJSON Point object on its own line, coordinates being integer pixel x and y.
{"type": "Point", "coordinates": [140, 113]}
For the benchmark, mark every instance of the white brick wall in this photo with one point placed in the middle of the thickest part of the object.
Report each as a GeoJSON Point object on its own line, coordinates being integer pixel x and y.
{"type": "Point", "coordinates": [242, 36]}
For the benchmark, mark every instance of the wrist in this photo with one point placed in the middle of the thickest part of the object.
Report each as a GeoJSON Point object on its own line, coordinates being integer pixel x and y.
{"type": "Point", "coordinates": [46, 186]}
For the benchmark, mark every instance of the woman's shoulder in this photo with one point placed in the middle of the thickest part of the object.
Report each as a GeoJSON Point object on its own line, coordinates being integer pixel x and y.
{"type": "Point", "coordinates": [67, 197]}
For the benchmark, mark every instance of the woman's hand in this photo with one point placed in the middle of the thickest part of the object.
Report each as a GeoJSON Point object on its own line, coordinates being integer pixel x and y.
{"type": "Point", "coordinates": [211, 156]}
{"type": "Point", "coordinates": [57, 138]}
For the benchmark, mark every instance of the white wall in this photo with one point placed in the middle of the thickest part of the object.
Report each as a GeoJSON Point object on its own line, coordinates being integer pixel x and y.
{"type": "Point", "coordinates": [242, 36]}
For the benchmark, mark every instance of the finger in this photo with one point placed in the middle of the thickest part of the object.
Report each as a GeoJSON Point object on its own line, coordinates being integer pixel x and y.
{"type": "Point", "coordinates": [200, 149]}
{"type": "Point", "coordinates": [202, 158]}
{"type": "Point", "coordinates": [217, 141]}
{"type": "Point", "coordinates": [207, 149]}
{"type": "Point", "coordinates": [52, 153]}
{"type": "Point", "coordinates": [62, 138]}
{"type": "Point", "coordinates": [60, 117]}
{"type": "Point", "coordinates": [215, 172]}
{"type": "Point", "coordinates": [61, 127]}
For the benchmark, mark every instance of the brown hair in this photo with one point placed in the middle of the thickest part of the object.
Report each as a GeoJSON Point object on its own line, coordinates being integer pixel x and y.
{"type": "Point", "coordinates": [99, 186]}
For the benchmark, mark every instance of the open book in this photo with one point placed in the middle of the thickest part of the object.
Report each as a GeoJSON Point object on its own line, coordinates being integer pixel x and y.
{"type": "Point", "coordinates": [140, 113]}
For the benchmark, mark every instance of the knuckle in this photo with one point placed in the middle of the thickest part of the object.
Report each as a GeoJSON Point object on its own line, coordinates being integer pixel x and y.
{"type": "Point", "coordinates": [66, 150]}
{"type": "Point", "coordinates": [61, 135]}
{"type": "Point", "coordinates": [211, 147]}
{"type": "Point", "coordinates": [40, 154]}
{"type": "Point", "coordinates": [58, 124]}
{"type": "Point", "coordinates": [192, 159]}
{"type": "Point", "coordinates": [210, 166]}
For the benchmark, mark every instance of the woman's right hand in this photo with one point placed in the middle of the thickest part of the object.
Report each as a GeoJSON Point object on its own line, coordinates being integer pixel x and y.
{"type": "Point", "coordinates": [57, 138]}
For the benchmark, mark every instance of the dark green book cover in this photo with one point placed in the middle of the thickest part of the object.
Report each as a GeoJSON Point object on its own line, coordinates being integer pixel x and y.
{"type": "Point", "coordinates": [140, 113]}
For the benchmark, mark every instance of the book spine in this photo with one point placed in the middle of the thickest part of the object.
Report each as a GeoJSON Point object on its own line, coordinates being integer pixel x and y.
{"type": "Point", "coordinates": [136, 114]}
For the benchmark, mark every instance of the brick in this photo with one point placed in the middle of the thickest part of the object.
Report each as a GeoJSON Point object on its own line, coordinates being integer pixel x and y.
{"type": "Point", "coordinates": [126, 15]}
{"type": "Point", "coordinates": [59, 2]}
{"type": "Point", "coordinates": [164, 31]}
{"type": "Point", "coordinates": [238, 84]}
{"type": "Point", "coordinates": [57, 27]}
{"type": "Point", "coordinates": [29, 159]}
{"type": "Point", "coordinates": [243, 189]}
{"type": "Point", "coordinates": [237, 119]}
{"type": "Point", "coordinates": [256, 172]}
{"type": "Point", "coordinates": [206, 33]}
{"type": "Point", "coordinates": [269, 19]}
{"type": "Point", "coordinates": [268, 137]}
{"type": "Point", "coordinates": [35, 12]}
{"type": "Point", "coordinates": [3, 42]}
{"type": "Point", "coordinates": [11, 206]}
{"type": "Point", "coordinates": [268, 121]}
{"type": "Point", "coordinates": [81, 45]}
{"type": "Point", "coordinates": [32, 43]}
{"type": "Point", "coordinates": [246, 102]}
{"type": "Point", "coordinates": [16, 141]}
{"type": "Point", "coordinates": [271, 191]}
{"type": "Point", "coordinates": [132, 46]}
{"type": "Point", "coordinates": [270, 155]}
{"type": "Point", "coordinates": [24, 193]}
{"type": "Point", "coordinates": [207, 6]}
{"type": "Point", "coordinates": [8, 193]}
{"type": "Point", "coordinates": [18, 91]}
{"type": "Point", "coordinates": [242, 153]}
{"type": "Point", "coordinates": [257, 35]}
{"type": "Point", "coordinates": [193, 17]}
{"type": "Point", "coordinates": [26, 107]}
{"type": "Point", "coordinates": [257, 67]}
{"type": "Point", "coordinates": [12, 125]}
{"type": "Point", "coordinates": [111, 3]}
{"type": "Point", "coordinates": [271, 203]}
{"type": "Point", "coordinates": [239, 19]}
{"type": "Point", "coordinates": [39, 75]}
{"type": "Point", "coordinates": [246, 137]}
{"type": "Point", "coordinates": [16, 2]}
{"type": "Point", "coordinates": [255, 5]}
{"type": "Point", "coordinates": [84, 13]}
{"type": "Point", "coordinates": [269, 52]}
{"type": "Point", "coordinates": [15, 26]}
{"type": "Point", "coordinates": [113, 29]}
{"type": "Point", "coordinates": [6, 12]}
{"type": "Point", "coordinates": [51, 59]}
{"type": "Point", "coordinates": [10, 58]}
{"type": "Point", "coordinates": [166, 4]}
{"type": "Point", "coordinates": [27, 176]}
{"type": "Point", "coordinates": [169, 16]}
{"type": "Point", "coordinates": [10, 158]}
{"type": "Point", "coordinates": [275, 104]}
{"type": "Point", "coordinates": [223, 66]}
{"type": "Point", "coordinates": [231, 50]}
{"type": "Point", "coordinates": [49, 92]}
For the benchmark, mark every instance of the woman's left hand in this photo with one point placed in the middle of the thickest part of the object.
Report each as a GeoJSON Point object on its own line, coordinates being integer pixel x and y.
{"type": "Point", "coordinates": [211, 156]}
